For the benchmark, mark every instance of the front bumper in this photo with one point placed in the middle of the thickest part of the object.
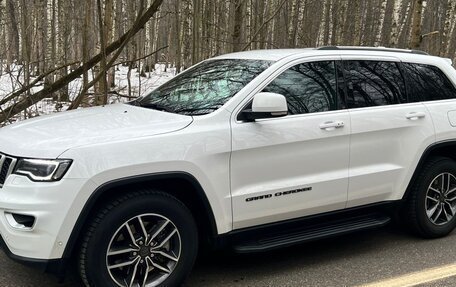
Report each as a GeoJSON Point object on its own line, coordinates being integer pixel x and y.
{"type": "Point", "coordinates": [54, 266]}
{"type": "Point", "coordinates": [52, 204]}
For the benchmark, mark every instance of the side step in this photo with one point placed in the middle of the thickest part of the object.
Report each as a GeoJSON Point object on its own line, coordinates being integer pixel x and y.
{"type": "Point", "coordinates": [312, 232]}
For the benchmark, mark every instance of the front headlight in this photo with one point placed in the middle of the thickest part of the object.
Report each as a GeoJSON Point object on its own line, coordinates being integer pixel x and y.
{"type": "Point", "coordinates": [42, 169]}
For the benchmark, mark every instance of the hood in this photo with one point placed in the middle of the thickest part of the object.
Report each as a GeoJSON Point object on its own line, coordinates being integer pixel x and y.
{"type": "Point", "coordinates": [49, 136]}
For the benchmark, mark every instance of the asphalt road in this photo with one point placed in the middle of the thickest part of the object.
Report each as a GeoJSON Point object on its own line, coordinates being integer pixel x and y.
{"type": "Point", "coordinates": [351, 260]}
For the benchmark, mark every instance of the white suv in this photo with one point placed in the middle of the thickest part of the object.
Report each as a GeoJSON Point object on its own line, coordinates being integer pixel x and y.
{"type": "Point", "coordinates": [254, 150]}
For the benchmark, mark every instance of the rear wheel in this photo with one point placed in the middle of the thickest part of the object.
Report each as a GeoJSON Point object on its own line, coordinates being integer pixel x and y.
{"type": "Point", "coordinates": [431, 207]}
{"type": "Point", "coordinates": [143, 239]}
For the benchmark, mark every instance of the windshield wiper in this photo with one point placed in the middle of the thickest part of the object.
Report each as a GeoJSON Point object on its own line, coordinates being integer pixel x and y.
{"type": "Point", "coordinates": [135, 103]}
{"type": "Point", "coordinates": [154, 107]}
{"type": "Point", "coordinates": [191, 111]}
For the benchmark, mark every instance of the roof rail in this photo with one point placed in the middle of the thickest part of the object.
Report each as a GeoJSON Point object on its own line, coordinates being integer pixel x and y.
{"type": "Point", "coordinates": [382, 49]}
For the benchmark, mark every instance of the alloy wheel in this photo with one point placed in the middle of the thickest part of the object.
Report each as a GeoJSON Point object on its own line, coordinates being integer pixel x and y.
{"type": "Point", "coordinates": [144, 251]}
{"type": "Point", "coordinates": [441, 199]}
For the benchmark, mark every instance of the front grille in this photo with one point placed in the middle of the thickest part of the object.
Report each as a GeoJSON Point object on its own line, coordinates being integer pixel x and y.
{"type": "Point", "coordinates": [6, 167]}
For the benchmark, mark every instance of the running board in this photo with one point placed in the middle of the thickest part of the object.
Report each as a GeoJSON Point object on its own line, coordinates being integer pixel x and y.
{"type": "Point", "coordinates": [312, 232]}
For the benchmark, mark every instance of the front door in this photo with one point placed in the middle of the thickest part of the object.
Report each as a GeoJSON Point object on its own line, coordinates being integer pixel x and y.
{"type": "Point", "coordinates": [296, 165]}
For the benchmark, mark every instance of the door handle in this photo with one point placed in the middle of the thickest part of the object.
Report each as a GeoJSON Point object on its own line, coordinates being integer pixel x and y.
{"type": "Point", "coordinates": [332, 125]}
{"type": "Point", "coordinates": [415, 115]}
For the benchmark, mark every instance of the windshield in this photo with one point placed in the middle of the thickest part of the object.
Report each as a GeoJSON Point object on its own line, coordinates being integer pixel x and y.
{"type": "Point", "coordinates": [203, 88]}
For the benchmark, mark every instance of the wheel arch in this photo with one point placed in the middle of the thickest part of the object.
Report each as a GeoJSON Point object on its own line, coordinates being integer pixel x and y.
{"type": "Point", "coordinates": [197, 199]}
{"type": "Point", "coordinates": [443, 148]}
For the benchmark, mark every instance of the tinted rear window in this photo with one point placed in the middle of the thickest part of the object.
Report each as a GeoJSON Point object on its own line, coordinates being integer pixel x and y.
{"type": "Point", "coordinates": [373, 83]}
{"type": "Point", "coordinates": [427, 83]}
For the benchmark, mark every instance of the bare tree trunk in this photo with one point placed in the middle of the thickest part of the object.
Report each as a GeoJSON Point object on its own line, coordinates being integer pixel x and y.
{"type": "Point", "coordinates": [292, 31]}
{"type": "Point", "coordinates": [394, 37]}
{"type": "Point", "coordinates": [381, 21]}
{"type": "Point", "coordinates": [85, 46]}
{"type": "Point", "coordinates": [103, 97]}
{"type": "Point", "coordinates": [177, 37]}
{"type": "Point", "coordinates": [26, 45]}
{"type": "Point", "coordinates": [446, 28]}
{"type": "Point", "coordinates": [238, 23]}
{"type": "Point", "coordinates": [108, 35]}
{"type": "Point", "coordinates": [452, 34]}
{"type": "Point", "coordinates": [357, 24]}
{"type": "Point", "coordinates": [186, 35]}
{"type": "Point", "coordinates": [415, 38]}
{"type": "Point", "coordinates": [195, 31]}
{"type": "Point", "coordinates": [13, 51]}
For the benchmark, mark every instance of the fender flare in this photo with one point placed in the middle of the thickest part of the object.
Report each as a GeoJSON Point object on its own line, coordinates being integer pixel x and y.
{"type": "Point", "coordinates": [426, 154]}
{"type": "Point", "coordinates": [106, 187]}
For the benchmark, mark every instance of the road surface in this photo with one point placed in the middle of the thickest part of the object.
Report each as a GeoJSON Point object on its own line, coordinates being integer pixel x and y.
{"type": "Point", "coordinates": [353, 260]}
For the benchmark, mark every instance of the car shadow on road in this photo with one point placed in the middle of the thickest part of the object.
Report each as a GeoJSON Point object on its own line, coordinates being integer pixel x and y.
{"type": "Point", "coordinates": [340, 261]}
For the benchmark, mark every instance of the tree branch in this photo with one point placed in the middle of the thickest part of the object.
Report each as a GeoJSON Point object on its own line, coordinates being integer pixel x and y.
{"type": "Point", "coordinates": [263, 25]}
{"type": "Point", "coordinates": [143, 57]}
{"type": "Point", "coordinates": [33, 84]}
{"type": "Point", "coordinates": [33, 98]}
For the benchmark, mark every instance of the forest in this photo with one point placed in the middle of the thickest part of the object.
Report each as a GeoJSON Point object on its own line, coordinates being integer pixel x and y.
{"type": "Point", "coordinates": [48, 45]}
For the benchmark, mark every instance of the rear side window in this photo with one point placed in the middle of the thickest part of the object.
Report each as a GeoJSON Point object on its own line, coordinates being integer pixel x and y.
{"type": "Point", "coordinates": [308, 87]}
{"type": "Point", "coordinates": [373, 83]}
{"type": "Point", "coordinates": [427, 83]}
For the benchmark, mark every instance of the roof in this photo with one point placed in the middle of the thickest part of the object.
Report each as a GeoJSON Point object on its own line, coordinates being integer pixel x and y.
{"type": "Point", "coordinates": [268, 54]}
{"type": "Point", "coordinates": [278, 54]}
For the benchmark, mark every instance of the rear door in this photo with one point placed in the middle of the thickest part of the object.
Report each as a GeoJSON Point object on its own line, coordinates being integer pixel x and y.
{"type": "Point", "coordinates": [388, 134]}
{"type": "Point", "coordinates": [430, 85]}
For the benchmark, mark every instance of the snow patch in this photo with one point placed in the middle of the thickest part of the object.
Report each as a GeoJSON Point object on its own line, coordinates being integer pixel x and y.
{"type": "Point", "coordinates": [14, 79]}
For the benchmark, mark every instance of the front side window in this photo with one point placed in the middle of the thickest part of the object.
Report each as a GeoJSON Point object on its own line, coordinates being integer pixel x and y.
{"type": "Point", "coordinates": [373, 83]}
{"type": "Point", "coordinates": [308, 87]}
{"type": "Point", "coordinates": [205, 87]}
{"type": "Point", "coordinates": [427, 83]}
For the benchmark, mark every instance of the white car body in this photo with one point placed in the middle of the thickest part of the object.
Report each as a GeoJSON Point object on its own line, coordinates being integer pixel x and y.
{"type": "Point", "coordinates": [370, 159]}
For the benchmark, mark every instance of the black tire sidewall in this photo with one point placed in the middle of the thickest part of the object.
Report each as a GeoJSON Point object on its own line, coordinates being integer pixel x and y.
{"type": "Point", "coordinates": [170, 208]}
{"type": "Point", "coordinates": [429, 228]}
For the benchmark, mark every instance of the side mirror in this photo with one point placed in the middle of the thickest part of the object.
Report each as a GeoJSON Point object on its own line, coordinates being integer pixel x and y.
{"type": "Point", "coordinates": [266, 105]}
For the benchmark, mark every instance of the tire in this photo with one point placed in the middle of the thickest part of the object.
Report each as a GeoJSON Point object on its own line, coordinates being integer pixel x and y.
{"type": "Point", "coordinates": [420, 215]}
{"type": "Point", "coordinates": [125, 227]}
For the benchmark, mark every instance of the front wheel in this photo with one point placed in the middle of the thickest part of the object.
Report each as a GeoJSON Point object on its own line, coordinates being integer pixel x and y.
{"type": "Point", "coordinates": [142, 239]}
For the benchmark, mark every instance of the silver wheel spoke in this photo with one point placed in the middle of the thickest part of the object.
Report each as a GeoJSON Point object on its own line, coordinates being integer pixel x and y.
{"type": "Point", "coordinates": [121, 251]}
{"type": "Point", "coordinates": [133, 275]}
{"type": "Point", "coordinates": [439, 212]}
{"type": "Point", "coordinates": [158, 266]}
{"type": "Point", "coordinates": [132, 237]}
{"type": "Point", "coordinates": [443, 183]}
{"type": "Point", "coordinates": [452, 209]}
{"type": "Point", "coordinates": [447, 217]}
{"type": "Point", "coordinates": [143, 228]}
{"type": "Point", "coordinates": [431, 211]}
{"type": "Point", "coordinates": [435, 190]}
{"type": "Point", "coordinates": [146, 274]}
{"type": "Point", "coordinates": [431, 198]}
{"type": "Point", "coordinates": [451, 198]}
{"type": "Point", "coordinates": [169, 256]}
{"type": "Point", "coordinates": [123, 264]}
{"type": "Point", "coordinates": [451, 191]}
{"type": "Point", "coordinates": [165, 240]}
{"type": "Point", "coordinates": [158, 231]}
